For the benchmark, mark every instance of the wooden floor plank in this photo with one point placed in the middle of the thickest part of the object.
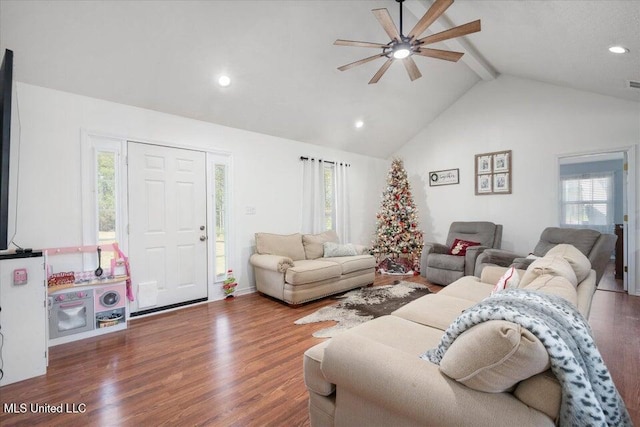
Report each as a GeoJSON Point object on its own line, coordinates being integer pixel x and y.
{"type": "Point", "coordinates": [237, 362]}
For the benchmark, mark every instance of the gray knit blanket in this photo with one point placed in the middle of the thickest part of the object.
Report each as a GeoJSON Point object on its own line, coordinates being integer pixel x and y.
{"type": "Point", "coordinates": [589, 396]}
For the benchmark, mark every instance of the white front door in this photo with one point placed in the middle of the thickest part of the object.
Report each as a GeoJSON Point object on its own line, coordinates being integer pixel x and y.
{"type": "Point", "coordinates": [167, 225]}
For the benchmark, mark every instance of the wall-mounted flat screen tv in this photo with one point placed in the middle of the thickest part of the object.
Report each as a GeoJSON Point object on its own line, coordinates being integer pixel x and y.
{"type": "Point", "coordinates": [6, 78]}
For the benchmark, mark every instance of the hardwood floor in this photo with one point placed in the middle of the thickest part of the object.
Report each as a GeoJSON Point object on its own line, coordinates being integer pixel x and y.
{"type": "Point", "coordinates": [609, 282]}
{"type": "Point", "coordinates": [236, 363]}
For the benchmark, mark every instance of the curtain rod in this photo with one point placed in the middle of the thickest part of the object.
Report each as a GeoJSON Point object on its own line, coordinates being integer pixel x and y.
{"type": "Point", "coordinates": [326, 161]}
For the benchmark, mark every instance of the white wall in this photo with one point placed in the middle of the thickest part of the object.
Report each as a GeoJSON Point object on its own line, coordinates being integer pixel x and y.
{"type": "Point", "coordinates": [538, 122]}
{"type": "Point", "coordinates": [266, 170]}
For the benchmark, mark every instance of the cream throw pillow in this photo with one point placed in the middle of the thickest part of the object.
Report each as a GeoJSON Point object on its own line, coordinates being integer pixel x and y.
{"type": "Point", "coordinates": [494, 356]}
{"type": "Point", "coordinates": [314, 243]}
{"type": "Point", "coordinates": [578, 261]}
{"type": "Point", "coordinates": [550, 264]}
{"type": "Point", "coordinates": [289, 246]}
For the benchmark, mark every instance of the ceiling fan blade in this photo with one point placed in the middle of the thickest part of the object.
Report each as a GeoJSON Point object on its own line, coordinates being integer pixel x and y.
{"type": "Point", "coordinates": [358, 44]}
{"type": "Point", "coordinates": [461, 30]}
{"type": "Point", "coordinates": [387, 23]}
{"type": "Point", "coordinates": [412, 68]}
{"type": "Point", "coordinates": [360, 62]}
{"type": "Point", "coordinates": [434, 12]}
{"type": "Point", "coordinates": [447, 55]}
{"type": "Point", "coordinates": [381, 71]}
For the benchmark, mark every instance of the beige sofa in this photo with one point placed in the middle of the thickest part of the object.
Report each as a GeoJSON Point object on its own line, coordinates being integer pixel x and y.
{"type": "Point", "coordinates": [293, 268]}
{"type": "Point", "coordinates": [497, 375]}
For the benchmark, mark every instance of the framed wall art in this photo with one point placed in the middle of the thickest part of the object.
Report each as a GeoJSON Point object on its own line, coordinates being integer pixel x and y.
{"type": "Point", "coordinates": [484, 185]}
{"type": "Point", "coordinates": [444, 177]}
{"type": "Point", "coordinates": [493, 172]}
{"type": "Point", "coordinates": [483, 164]}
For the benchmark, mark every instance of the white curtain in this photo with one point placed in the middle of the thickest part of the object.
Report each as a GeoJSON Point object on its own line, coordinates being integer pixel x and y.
{"type": "Point", "coordinates": [343, 213]}
{"type": "Point", "coordinates": [313, 196]}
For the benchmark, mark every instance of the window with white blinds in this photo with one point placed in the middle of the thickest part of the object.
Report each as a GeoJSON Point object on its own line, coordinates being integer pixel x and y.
{"type": "Point", "coordinates": [587, 201]}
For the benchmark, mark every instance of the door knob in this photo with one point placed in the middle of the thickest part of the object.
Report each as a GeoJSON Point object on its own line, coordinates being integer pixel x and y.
{"type": "Point", "coordinates": [202, 227]}
{"type": "Point", "coordinates": [203, 238]}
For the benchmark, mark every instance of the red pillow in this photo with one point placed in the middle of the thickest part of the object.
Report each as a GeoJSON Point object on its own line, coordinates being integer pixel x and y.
{"type": "Point", "coordinates": [460, 246]}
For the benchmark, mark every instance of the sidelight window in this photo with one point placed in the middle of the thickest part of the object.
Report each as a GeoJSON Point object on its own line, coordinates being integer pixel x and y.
{"type": "Point", "coordinates": [221, 230]}
{"type": "Point", "coordinates": [102, 196]}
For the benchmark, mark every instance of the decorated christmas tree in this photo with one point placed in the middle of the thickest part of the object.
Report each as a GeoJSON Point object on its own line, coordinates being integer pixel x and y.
{"type": "Point", "coordinates": [397, 236]}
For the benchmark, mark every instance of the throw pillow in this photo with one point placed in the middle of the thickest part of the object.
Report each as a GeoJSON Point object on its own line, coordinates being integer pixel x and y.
{"type": "Point", "coordinates": [460, 246]}
{"type": "Point", "coordinates": [509, 279]}
{"type": "Point", "coordinates": [494, 356]}
{"type": "Point", "coordinates": [278, 244]}
{"type": "Point", "coordinates": [314, 243]}
{"type": "Point", "coordinates": [335, 250]}
{"type": "Point", "coordinates": [550, 264]}
{"type": "Point", "coordinates": [578, 261]}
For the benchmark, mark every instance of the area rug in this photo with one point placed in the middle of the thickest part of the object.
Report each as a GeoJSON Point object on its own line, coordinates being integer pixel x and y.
{"type": "Point", "coordinates": [364, 304]}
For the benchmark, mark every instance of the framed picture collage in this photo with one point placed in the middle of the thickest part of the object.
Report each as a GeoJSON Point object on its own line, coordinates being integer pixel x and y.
{"type": "Point", "coordinates": [493, 173]}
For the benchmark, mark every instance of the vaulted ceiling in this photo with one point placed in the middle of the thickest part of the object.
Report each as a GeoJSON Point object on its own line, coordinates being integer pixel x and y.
{"type": "Point", "coordinates": [167, 56]}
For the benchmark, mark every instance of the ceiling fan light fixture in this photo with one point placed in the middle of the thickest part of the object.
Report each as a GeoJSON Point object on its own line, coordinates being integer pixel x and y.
{"type": "Point", "coordinates": [224, 81]}
{"type": "Point", "coordinates": [618, 49]}
{"type": "Point", "coordinates": [401, 50]}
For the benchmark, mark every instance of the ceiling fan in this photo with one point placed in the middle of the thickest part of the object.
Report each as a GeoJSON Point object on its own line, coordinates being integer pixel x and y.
{"type": "Point", "coordinates": [403, 47]}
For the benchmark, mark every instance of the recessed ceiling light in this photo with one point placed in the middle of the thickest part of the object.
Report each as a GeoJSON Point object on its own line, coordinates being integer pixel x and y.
{"type": "Point", "coordinates": [224, 81]}
{"type": "Point", "coordinates": [618, 49]}
{"type": "Point", "coordinates": [359, 124]}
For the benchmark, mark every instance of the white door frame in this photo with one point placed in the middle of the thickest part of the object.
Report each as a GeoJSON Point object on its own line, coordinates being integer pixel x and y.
{"type": "Point", "coordinates": [631, 234]}
{"type": "Point", "coordinates": [631, 225]}
{"type": "Point", "coordinates": [120, 141]}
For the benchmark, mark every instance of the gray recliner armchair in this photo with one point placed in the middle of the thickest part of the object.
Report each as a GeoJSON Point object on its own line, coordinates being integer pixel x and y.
{"type": "Point", "coordinates": [441, 268]}
{"type": "Point", "coordinates": [596, 246]}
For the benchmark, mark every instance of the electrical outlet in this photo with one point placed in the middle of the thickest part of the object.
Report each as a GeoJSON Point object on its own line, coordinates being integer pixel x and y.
{"type": "Point", "coordinates": [20, 276]}
{"type": "Point", "coordinates": [250, 210]}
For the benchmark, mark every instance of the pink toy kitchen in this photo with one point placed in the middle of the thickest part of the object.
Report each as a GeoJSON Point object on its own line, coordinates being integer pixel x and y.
{"type": "Point", "coordinates": [86, 302]}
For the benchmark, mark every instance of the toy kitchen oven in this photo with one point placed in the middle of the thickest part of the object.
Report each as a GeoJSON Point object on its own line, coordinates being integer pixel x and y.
{"type": "Point", "coordinates": [82, 307]}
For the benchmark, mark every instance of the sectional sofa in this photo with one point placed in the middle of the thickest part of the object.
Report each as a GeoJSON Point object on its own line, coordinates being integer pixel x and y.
{"type": "Point", "coordinates": [296, 268]}
{"type": "Point", "coordinates": [497, 375]}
